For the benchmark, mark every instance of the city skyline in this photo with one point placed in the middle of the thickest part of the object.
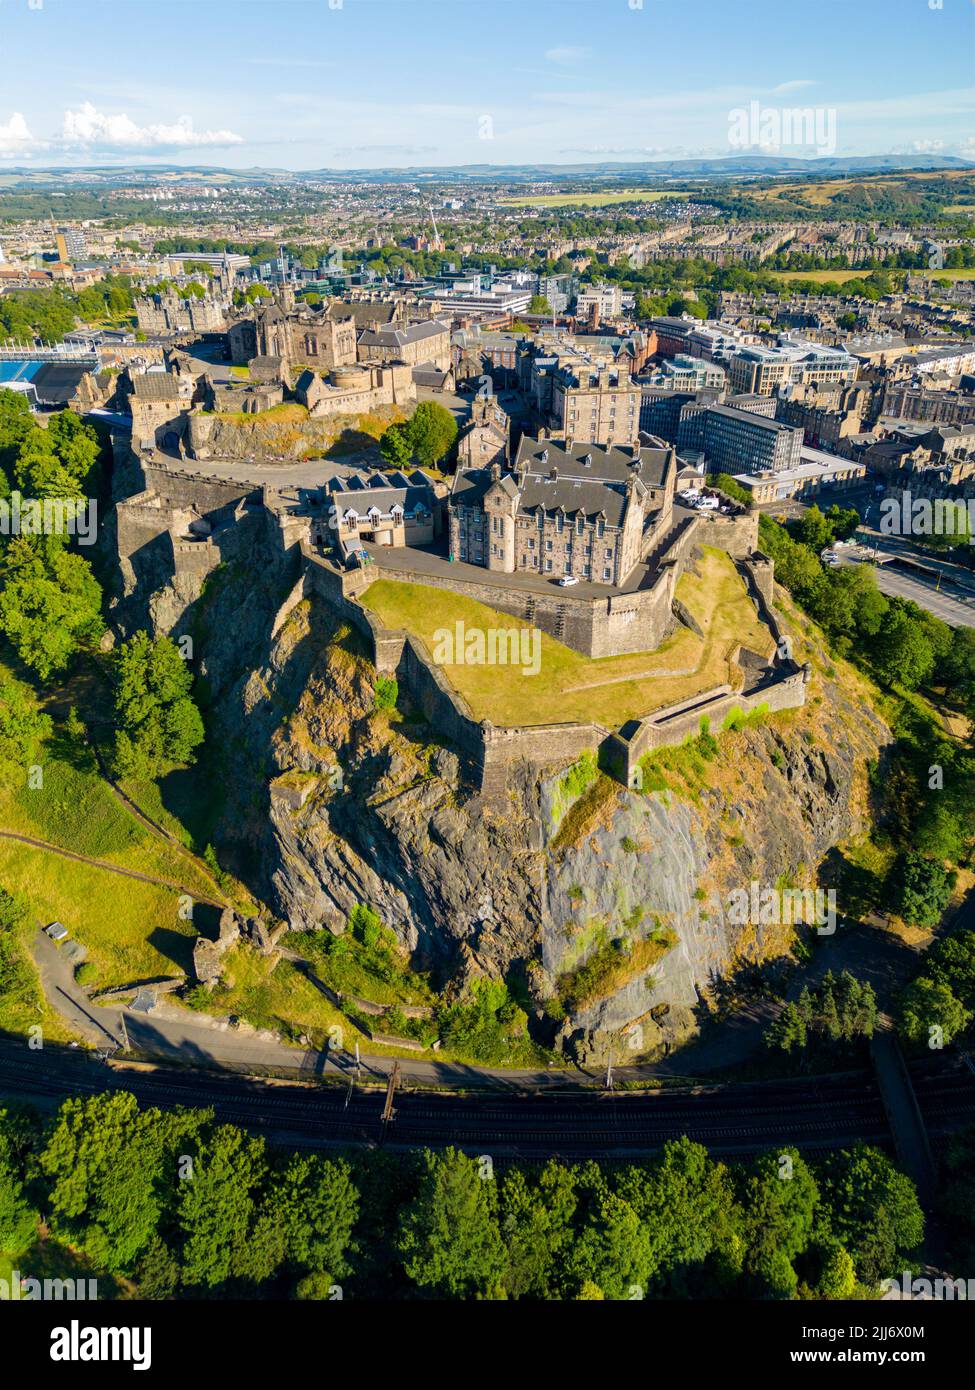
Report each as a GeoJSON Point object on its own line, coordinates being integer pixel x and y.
{"type": "Point", "coordinates": [304, 85]}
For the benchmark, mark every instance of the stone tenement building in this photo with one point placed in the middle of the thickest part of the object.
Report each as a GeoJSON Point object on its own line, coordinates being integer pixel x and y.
{"type": "Point", "coordinates": [163, 314]}
{"type": "Point", "coordinates": [393, 509]}
{"type": "Point", "coordinates": [566, 509]}
{"type": "Point", "coordinates": [486, 437]}
{"type": "Point", "coordinates": [601, 405]}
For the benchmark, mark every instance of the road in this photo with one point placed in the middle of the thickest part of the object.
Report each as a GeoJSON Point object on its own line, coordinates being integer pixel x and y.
{"type": "Point", "coordinates": [957, 611]}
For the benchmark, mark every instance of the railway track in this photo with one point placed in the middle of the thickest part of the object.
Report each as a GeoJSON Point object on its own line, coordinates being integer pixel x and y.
{"type": "Point", "coordinates": [814, 1113]}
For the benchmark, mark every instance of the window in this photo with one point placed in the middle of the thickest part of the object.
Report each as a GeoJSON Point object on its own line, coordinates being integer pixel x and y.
{"type": "Point", "coordinates": [548, 566]}
{"type": "Point", "coordinates": [548, 545]}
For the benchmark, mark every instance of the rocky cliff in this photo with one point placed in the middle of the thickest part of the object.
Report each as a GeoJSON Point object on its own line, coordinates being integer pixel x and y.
{"type": "Point", "coordinates": [609, 903]}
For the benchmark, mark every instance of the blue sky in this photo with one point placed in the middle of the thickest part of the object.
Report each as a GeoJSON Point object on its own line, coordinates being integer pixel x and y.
{"type": "Point", "coordinates": [364, 83]}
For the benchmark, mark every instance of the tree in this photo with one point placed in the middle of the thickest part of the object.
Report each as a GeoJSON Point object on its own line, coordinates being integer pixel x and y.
{"type": "Point", "coordinates": [780, 1202]}
{"type": "Point", "coordinates": [158, 726]}
{"type": "Point", "coordinates": [814, 529]}
{"type": "Point", "coordinates": [687, 1204]}
{"type": "Point", "coordinates": [18, 1219]}
{"type": "Point", "coordinates": [449, 1240]}
{"type": "Point", "coordinates": [927, 1004]}
{"type": "Point", "coordinates": [433, 431]}
{"type": "Point", "coordinates": [874, 1211]}
{"type": "Point", "coordinates": [957, 667]}
{"type": "Point", "coordinates": [315, 1204]}
{"type": "Point", "coordinates": [918, 889]}
{"type": "Point", "coordinates": [50, 606]}
{"type": "Point", "coordinates": [396, 446]}
{"type": "Point", "coordinates": [538, 304]}
{"type": "Point", "coordinates": [536, 1228]}
{"type": "Point", "coordinates": [788, 1031]}
{"type": "Point", "coordinates": [838, 1279]}
{"type": "Point", "coordinates": [902, 650]}
{"type": "Point", "coordinates": [104, 1159]}
{"type": "Point", "coordinates": [22, 725]}
{"type": "Point", "coordinates": [612, 1247]}
{"type": "Point", "coordinates": [216, 1205]}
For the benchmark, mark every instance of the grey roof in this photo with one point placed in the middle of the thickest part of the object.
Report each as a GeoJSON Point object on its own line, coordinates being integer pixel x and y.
{"type": "Point", "coordinates": [155, 386]}
{"type": "Point", "coordinates": [383, 491]}
{"type": "Point", "coordinates": [426, 374]}
{"type": "Point", "coordinates": [366, 311]}
{"type": "Point", "coordinates": [749, 417]}
{"type": "Point", "coordinates": [399, 337]}
{"type": "Point", "coordinates": [606, 463]}
{"type": "Point", "coordinates": [570, 495]}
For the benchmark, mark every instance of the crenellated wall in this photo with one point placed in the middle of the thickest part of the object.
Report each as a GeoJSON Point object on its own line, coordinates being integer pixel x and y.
{"type": "Point", "coordinates": [494, 752]}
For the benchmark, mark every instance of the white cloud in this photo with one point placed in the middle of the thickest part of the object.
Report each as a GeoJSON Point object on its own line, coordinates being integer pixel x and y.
{"type": "Point", "coordinates": [89, 128]}
{"type": "Point", "coordinates": [795, 86]}
{"type": "Point", "coordinates": [566, 56]}
{"type": "Point", "coordinates": [15, 136]}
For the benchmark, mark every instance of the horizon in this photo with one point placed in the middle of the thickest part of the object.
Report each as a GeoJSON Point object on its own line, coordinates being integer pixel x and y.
{"type": "Point", "coordinates": [302, 85]}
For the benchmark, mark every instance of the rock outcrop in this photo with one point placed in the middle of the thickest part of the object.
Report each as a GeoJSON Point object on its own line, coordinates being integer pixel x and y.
{"type": "Point", "coordinates": [326, 803]}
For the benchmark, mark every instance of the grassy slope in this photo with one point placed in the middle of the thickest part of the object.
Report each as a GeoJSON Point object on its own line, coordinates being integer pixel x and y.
{"type": "Point", "coordinates": [572, 687]}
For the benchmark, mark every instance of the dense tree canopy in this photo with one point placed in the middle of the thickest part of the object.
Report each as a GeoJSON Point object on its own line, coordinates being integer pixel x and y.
{"type": "Point", "coordinates": [185, 1206]}
{"type": "Point", "coordinates": [158, 726]}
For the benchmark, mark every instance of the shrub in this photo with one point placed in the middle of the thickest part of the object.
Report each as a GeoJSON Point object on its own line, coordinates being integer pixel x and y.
{"type": "Point", "coordinates": [386, 693]}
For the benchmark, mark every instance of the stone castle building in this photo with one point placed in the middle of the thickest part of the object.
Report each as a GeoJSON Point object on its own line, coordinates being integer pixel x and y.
{"type": "Point", "coordinates": [159, 315]}
{"type": "Point", "coordinates": [585, 511]}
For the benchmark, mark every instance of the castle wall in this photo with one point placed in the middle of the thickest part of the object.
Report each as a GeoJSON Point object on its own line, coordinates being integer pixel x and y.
{"type": "Point", "coordinates": [494, 752]}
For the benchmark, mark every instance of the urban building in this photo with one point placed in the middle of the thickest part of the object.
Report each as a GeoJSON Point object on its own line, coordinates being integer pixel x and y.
{"type": "Point", "coordinates": [565, 510]}
{"type": "Point", "coordinates": [739, 441]}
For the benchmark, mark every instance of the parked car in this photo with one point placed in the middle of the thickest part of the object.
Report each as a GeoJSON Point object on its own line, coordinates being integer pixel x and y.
{"type": "Point", "coordinates": [566, 580]}
{"type": "Point", "coordinates": [57, 931]}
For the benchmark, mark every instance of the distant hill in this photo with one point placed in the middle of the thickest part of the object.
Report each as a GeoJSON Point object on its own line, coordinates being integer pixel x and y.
{"type": "Point", "coordinates": [732, 167]}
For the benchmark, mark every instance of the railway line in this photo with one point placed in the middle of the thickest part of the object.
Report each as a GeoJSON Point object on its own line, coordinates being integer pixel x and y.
{"type": "Point", "coordinates": [815, 1112]}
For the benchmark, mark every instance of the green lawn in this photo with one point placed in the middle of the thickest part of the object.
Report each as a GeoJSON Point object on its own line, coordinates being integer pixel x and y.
{"type": "Point", "coordinates": [132, 930]}
{"type": "Point", "coordinates": [573, 688]}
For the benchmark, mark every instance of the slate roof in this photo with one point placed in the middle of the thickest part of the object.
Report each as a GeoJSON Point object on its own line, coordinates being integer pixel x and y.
{"type": "Point", "coordinates": [607, 463]}
{"type": "Point", "coordinates": [399, 337]}
{"type": "Point", "coordinates": [568, 494]}
{"type": "Point", "coordinates": [155, 386]}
